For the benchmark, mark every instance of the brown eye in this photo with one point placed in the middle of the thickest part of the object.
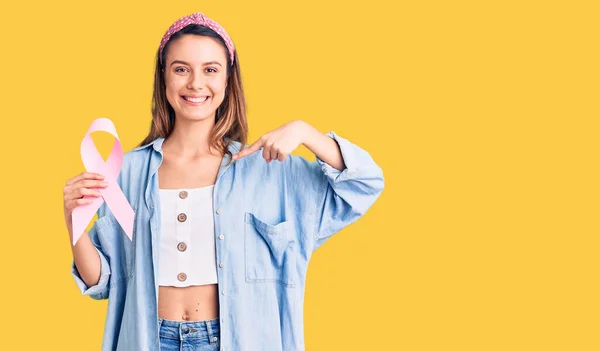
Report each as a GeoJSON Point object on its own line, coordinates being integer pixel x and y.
{"type": "Point", "coordinates": [178, 68]}
{"type": "Point", "coordinates": [213, 70]}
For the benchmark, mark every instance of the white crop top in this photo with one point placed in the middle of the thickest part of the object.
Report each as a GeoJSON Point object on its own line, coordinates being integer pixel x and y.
{"type": "Point", "coordinates": [187, 237]}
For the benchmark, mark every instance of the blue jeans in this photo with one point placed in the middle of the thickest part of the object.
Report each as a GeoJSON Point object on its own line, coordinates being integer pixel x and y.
{"type": "Point", "coordinates": [189, 336]}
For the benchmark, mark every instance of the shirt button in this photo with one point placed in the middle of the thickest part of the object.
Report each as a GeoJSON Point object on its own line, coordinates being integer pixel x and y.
{"type": "Point", "coordinates": [219, 211]}
{"type": "Point", "coordinates": [181, 246]}
{"type": "Point", "coordinates": [221, 265]}
{"type": "Point", "coordinates": [221, 237]}
{"type": "Point", "coordinates": [183, 194]}
{"type": "Point", "coordinates": [182, 217]}
{"type": "Point", "coordinates": [181, 277]}
{"type": "Point", "coordinates": [223, 292]}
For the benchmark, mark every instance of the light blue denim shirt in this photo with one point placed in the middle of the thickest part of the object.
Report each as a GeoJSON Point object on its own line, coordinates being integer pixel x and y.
{"type": "Point", "coordinates": [269, 218]}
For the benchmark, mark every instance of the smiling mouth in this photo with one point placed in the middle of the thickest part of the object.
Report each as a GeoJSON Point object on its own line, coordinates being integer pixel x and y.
{"type": "Point", "coordinates": [195, 101]}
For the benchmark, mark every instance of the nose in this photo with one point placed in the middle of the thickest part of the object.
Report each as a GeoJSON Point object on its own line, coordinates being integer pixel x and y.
{"type": "Point", "coordinates": [196, 81]}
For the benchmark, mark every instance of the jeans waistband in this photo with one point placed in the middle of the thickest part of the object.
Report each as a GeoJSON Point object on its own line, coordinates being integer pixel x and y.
{"type": "Point", "coordinates": [207, 329]}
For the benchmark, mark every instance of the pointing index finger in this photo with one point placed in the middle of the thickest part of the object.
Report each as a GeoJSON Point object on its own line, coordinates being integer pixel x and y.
{"type": "Point", "coordinates": [249, 150]}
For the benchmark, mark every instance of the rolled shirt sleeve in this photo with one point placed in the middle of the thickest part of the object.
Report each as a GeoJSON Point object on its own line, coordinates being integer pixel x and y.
{"type": "Point", "coordinates": [335, 199]}
{"type": "Point", "coordinates": [348, 194]}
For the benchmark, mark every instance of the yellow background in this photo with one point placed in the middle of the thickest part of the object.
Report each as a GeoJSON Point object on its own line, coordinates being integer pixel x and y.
{"type": "Point", "coordinates": [483, 116]}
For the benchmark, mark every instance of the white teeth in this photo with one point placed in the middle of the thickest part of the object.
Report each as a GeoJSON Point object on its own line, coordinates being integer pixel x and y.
{"type": "Point", "coordinates": [202, 99]}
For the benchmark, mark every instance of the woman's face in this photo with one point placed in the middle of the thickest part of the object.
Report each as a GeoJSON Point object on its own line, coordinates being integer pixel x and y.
{"type": "Point", "coordinates": [196, 67]}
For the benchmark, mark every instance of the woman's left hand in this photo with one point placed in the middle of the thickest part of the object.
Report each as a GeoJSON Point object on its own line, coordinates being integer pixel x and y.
{"type": "Point", "coordinates": [279, 143]}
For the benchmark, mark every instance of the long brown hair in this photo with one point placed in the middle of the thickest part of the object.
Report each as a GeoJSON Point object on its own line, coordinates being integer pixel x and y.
{"type": "Point", "coordinates": [230, 117]}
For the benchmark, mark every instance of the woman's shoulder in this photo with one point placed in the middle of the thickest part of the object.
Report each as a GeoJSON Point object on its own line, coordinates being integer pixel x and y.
{"type": "Point", "coordinates": [135, 162]}
{"type": "Point", "coordinates": [133, 159]}
{"type": "Point", "coordinates": [135, 156]}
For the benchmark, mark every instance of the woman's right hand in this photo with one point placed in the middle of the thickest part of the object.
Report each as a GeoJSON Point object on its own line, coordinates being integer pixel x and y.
{"type": "Point", "coordinates": [81, 190]}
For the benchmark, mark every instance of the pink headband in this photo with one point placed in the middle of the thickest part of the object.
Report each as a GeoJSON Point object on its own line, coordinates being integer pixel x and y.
{"type": "Point", "coordinates": [201, 19]}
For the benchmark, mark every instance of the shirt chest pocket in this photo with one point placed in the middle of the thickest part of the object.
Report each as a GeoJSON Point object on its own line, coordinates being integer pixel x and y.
{"type": "Point", "coordinates": [116, 245]}
{"type": "Point", "coordinates": [269, 251]}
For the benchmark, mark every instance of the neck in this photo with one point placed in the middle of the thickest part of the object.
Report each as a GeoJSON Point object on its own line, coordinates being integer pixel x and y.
{"type": "Point", "coordinates": [190, 138]}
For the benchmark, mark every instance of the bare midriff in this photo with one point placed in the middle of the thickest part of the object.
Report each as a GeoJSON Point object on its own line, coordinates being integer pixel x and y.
{"type": "Point", "coordinates": [192, 303]}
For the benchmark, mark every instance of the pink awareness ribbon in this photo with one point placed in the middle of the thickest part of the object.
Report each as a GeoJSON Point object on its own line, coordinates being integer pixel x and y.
{"type": "Point", "coordinates": [112, 194]}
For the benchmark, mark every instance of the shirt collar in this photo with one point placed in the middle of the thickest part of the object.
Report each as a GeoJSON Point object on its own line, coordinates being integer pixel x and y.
{"type": "Point", "coordinates": [156, 144]}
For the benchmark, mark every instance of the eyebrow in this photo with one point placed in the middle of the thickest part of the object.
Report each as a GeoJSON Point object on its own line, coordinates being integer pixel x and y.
{"type": "Point", "coordinates": [204, 64]}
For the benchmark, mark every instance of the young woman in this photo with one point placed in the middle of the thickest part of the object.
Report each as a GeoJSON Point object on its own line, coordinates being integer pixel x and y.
{"type": "Point", "coordinates": [223, 233]}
